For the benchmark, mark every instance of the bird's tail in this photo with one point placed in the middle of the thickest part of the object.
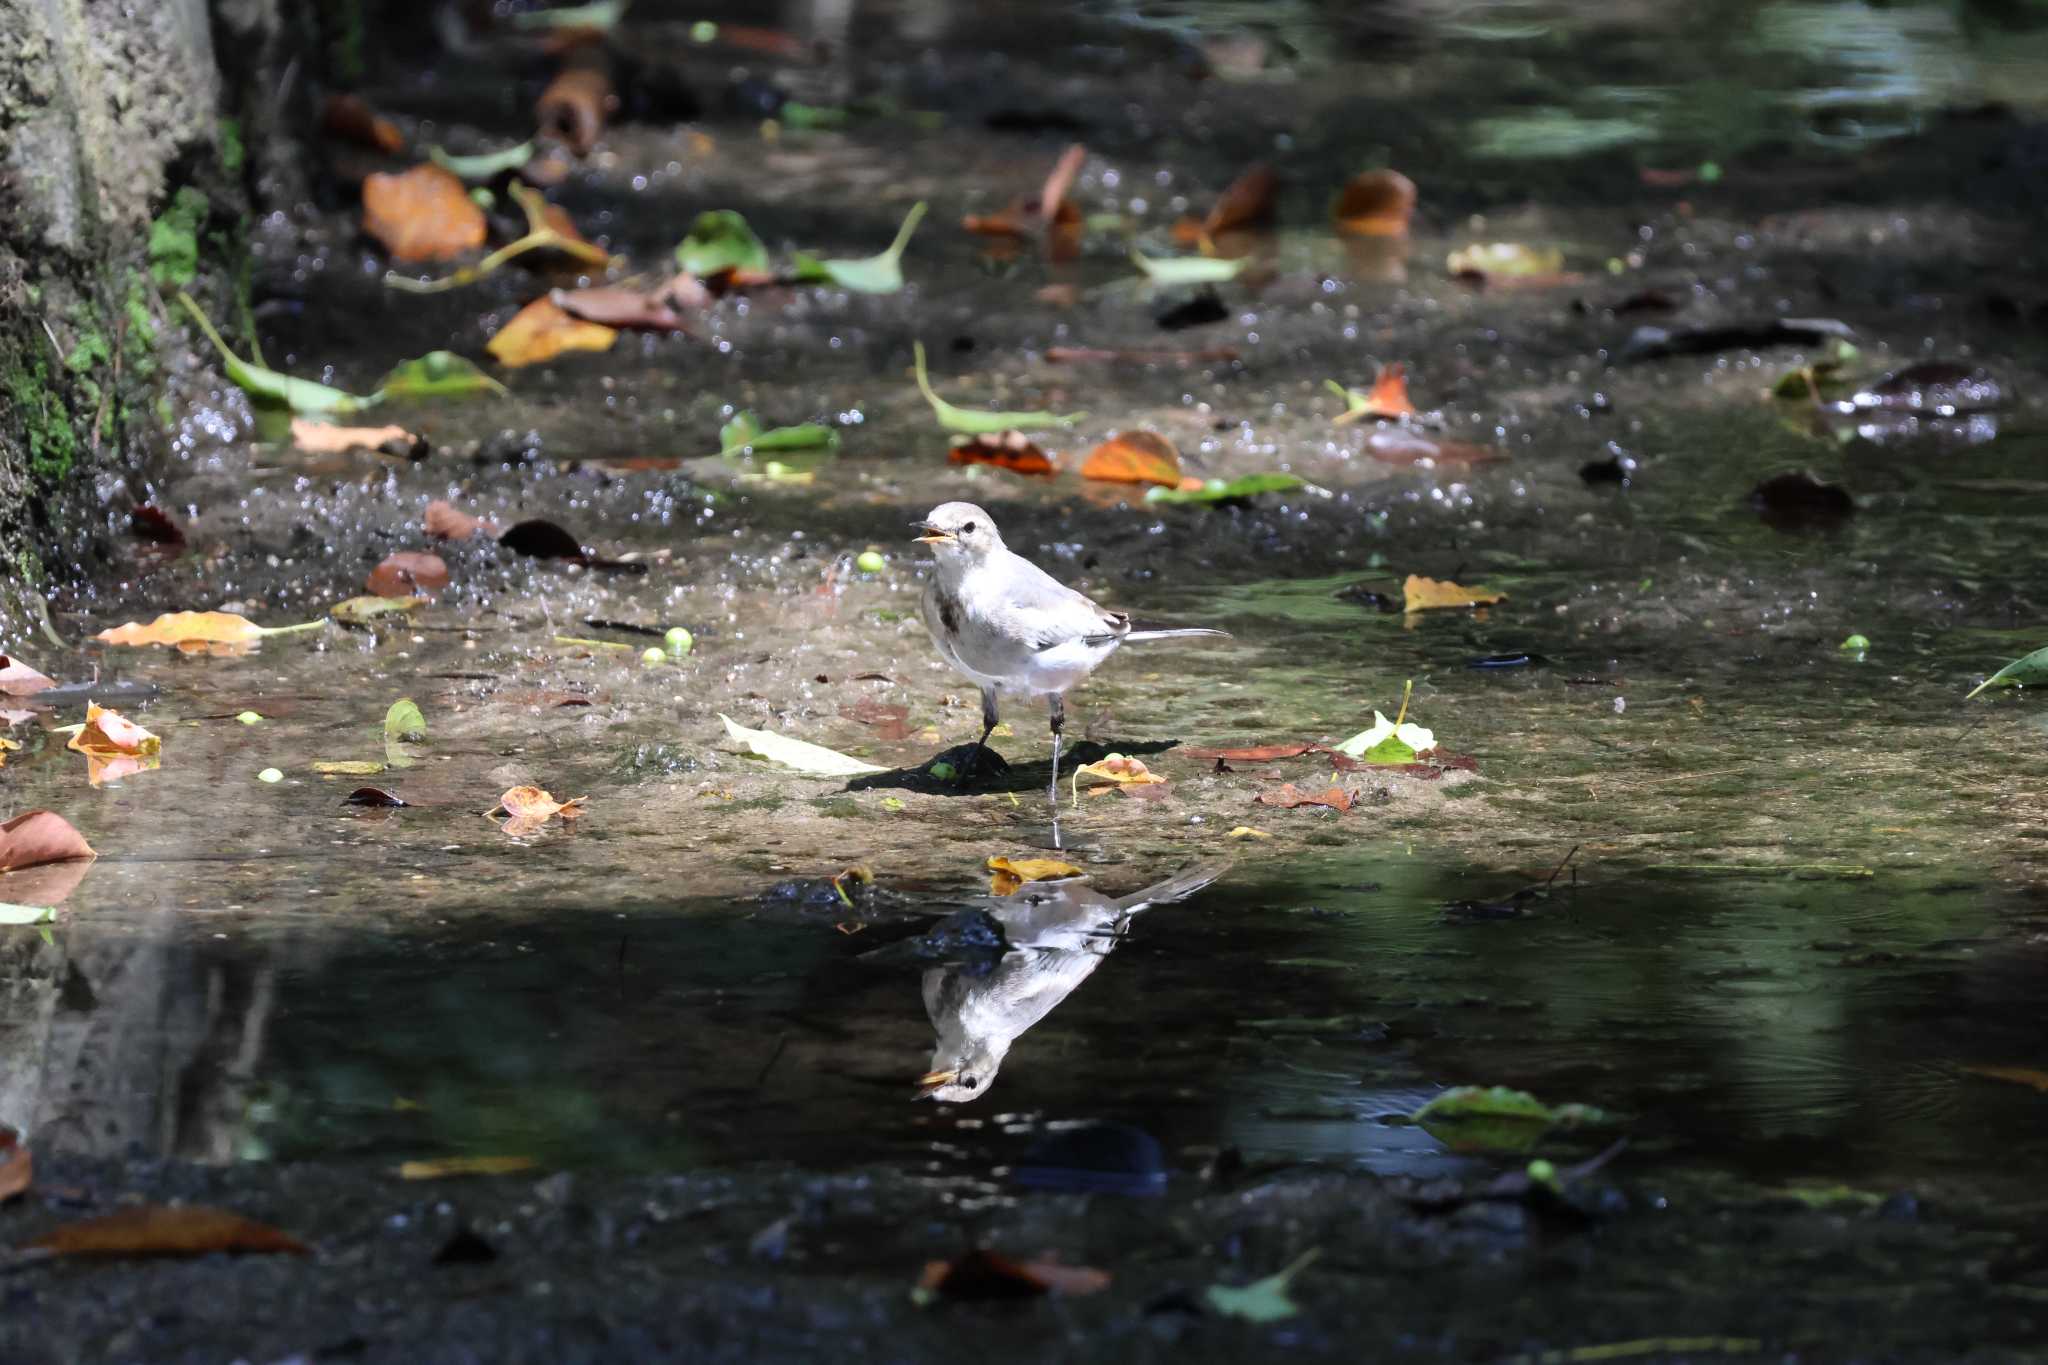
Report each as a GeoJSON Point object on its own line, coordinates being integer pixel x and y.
{"type": "Point", "coordinates": [1173, 633]}
{"type": "Point", "coordinates": [1177, 887]}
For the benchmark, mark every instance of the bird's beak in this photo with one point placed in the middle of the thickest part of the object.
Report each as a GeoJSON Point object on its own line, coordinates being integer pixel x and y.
{"type": "Point", "coordinates": [932, 1082]}
{"type": "Point", "coordinates": [932, 534]}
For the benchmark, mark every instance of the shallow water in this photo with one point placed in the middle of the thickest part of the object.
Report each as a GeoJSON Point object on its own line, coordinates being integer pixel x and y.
{"type": "Point", "coordinates": [1806, 899]}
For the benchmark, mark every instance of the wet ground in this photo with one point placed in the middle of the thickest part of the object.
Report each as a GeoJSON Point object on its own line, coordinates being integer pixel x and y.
{"type": "Point", "coordinates": [1797, 950]}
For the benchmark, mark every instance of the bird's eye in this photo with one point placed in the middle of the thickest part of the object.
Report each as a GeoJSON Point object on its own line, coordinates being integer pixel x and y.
{"type": "Point", "coordinates": [968, 529]}
{"type": "Point", "coordinates": [970, 1082]}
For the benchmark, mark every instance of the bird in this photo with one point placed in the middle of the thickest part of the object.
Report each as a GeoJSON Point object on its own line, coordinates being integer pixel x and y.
{"type": "Point", "coordinates": [1055, 935]}
{"type": "Point", "coordinates": [1010, 626]}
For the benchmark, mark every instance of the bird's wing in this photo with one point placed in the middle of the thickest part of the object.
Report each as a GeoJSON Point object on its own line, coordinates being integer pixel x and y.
{"type": "Point", "coordinates": [1048, 613]}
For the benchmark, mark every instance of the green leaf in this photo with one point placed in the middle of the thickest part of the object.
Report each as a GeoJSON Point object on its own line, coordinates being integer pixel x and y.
{"type": "Point", "coordinates": [26, 914]}
{"type": "Point", "coordinates": [483, 165]}
{"type": "Point", "coordinates": [363, 611]}
{"type": "Point", "coordinates": [1187, 269]}
{"type": "Point", "coordinates": [437, 374]}
{"type": "Point", "coordinates": [881, 274]}
{"type": "Point", "coordinates": [2022, 672]}
{"type": "Point", "coordinates": [1262, 1300]}
{"type": "Point", "coordinates": [795, 115]}
{"type": "Point", "coordinates": [1390, 750]}
{"type": "Point", "coordinates": [811, 759]}
{"type": "Point", "coordinates": [1497, 1118]}
{"type": "Point", "coordinates": [603, 16]}
{"type": "Point", "coordinates": [1218, 490]}
{"type": "Point", "coordinates": [1856, 644]}
{"type": "Point", "coordinates": [974, 421]}
{"type": "Point", "coordinates": [404, 721]}
{"type": "Point", "coordinates": [349, 767]}
{"type": "Point", "coordinates": [721, 240]}
{"type": "Point", "coordinates": [268, 386]}
{"type": "Point", "coordinates": [744, 434]}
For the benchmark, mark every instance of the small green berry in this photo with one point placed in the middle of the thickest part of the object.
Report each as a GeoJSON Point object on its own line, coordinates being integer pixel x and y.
{"type": "Point", "coordinates": [1542, 1172]}
{"type": "Point", "coordinates": [1856, 643]}
{"type": "Point", "coordinates": [248, 717]}
{"type": "Point", "coordinates": [270, 775]}
{"type": "Point", "coordinates": [652, 657]}
{"type": "Point", "coordinates": [944, 772]}
{"type": "Point", "coordinates": [703, 31]}
{"type": "Point", "coordinates": [871, 561]}
{"type": "Point", "coordinates": [679, 641]}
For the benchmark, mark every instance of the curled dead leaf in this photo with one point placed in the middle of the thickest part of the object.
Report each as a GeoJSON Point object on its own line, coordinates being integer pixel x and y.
{"type": "Point", "coordinates": [1427, 594]}
{"type": "Point", "coordinates": [114, 746]}
{"type": "Point", "coordinates": [575, 105]}
{"type": "Point", "coordinates": [164, 1230]}
{"type": "Point", "coordinates": [424, 214]}
{"type": "Point", "coordinates": [1007, 874]}
{"type": "Point", "coordinates": [17, 679]}
{"type": "Point", "coordinates": [1011, 450]}
{"type": "Point", "coordinates": [543, 330]}
{"type": "Point", "coordinates": [984, 1275]}
{"type": "Point", "coordinates": [446, 521]}
{"type": "Point", "coordinates": [38, 837]}
{"type": "Point", "coordinates": [1134, 457]}
{"type": "Point", "coordinates": [1375, 204]}
{"type": "Point", "coordinates": [526, 809]}
{"type": "Point", "coordinates": [409, 573]}
{"type": "Point", "coordinates": [1388, 399]}
{"type": "Point", "coordinates": [1247, 202]}
{"type": "Point", "coordinates": [320, 438]}
{"type": "Point", "coordinates": [348, 118]}
{"type": "Point", "coordinates": [1289, 796]}
{"type": "Point", "coordinates": [659, 309]}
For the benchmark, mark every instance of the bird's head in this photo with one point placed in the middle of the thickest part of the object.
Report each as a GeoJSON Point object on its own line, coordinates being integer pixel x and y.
{"type": "Point", "coordinates": [956, 1079]}
{"type": "Point", "coordinates": [959, 532]}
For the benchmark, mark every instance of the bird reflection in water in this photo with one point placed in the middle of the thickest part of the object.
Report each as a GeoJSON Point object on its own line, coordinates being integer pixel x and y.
{"type": "Point", "coordinates": [1009, 963]}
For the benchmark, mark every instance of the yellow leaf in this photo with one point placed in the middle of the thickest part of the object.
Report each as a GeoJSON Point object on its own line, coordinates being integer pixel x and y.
{"type": "Point", "coordinates": [318, 438]}
{"type": "Point", "coordinates": [1007, 874]}
{"type": "Point", "coordinates": [114, 746]}
{"type": "Point", "coordinates": [1247, 832]}
{"type": "Point", "coordinates": [466, 1165]}
{"type": "Point", "coordinates": [541, 331]}
{"type": "Point", "coordinates": [1424, 594]}
{"type": "Point", "coordinates": [350, 768]}
{"type": "Point", "coordinates": [185, 628]}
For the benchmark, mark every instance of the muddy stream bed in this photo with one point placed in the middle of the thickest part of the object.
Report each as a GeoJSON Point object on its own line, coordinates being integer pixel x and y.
{"type": "Point", "coordinates": [1790, 933]}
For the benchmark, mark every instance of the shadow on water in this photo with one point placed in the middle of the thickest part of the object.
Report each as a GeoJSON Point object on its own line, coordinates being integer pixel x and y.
{"type": "Point", "coordinates": [1780, 1028]}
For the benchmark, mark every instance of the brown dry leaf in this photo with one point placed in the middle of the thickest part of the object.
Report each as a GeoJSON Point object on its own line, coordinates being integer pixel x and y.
{"type": "Point", "coordinates": [541, 331]}
{"type": "Point", "coordinates": [1257, 753]}
{"type": "Point", "coordinates": [1375, 204]}
{"type": "Point", "coordinates": [423, 214]}
{"type": "Point", "coordinates": [575, 105]}
{"type": "Point", "coordinates": [163, 1230]}
{"type": "Point", "coordinates": [409, 573]}
{"type": "Point", "coordinates": [2018, 1075]}
{"type": "Point", "coordinates": [889, 721]}
{"type": "Point", "coordinates": [16, 1167]}
{"type": "Point", "coordinates": [17, 679]}
{"type": "Point", "coordinates": [39, 836]}
{"type": "Point", "coordinates": [184, 629]}
{"type": "Point", "coordinates": [1119, 769]}
{"type": "Point", "coordinates": [528, 808]}
{"type": "Point", "coordinates": [114, 746]}
{"type": "Point", "coordinates": [1401, 446]}
{"type": "Point", "coordinates": [446, 521]}
{"type": "Point", "coordinates": [656, 309]}
{"type": "Point", "coordinates": [1007, 874]}
{"type": "Point", "coordinates": [1289, 796]}
{"type": "Point", "coordinates": [346, 116]}
{"type": "Point", "coordinates": [1426, 594]}
{"type": "Point", "coordinates": [984, 1275]}
{"type": "Point", "coordinates": [1134, 457]}
{"type": "Point", "coordinates": [1248, 202]}
{"type": "Point", "coordinates": [465, 1165]}
{"type": "Point", "coordinates": [1012, 450]}
{"type": "Point", "coordinates": [318, 438]}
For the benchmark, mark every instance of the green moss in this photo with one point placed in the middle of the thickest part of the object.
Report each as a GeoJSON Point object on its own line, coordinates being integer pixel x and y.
{"type": "Point", "coordinates": [91, 352]}
{"type": "Point", "coordinates": [174, 240]}
{"type": "Point", "coordinates": [232, 153]}
{"type": "Point", "coordinates": [45, 420]}
{"type": "Point", "coordinates": [350, 34]}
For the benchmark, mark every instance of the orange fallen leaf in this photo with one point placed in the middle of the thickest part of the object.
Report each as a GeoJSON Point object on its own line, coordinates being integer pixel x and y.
{"type": "Point", "coordinates": [182, 628]}
{"type": "Point", "coordinates": [1007, 874]}
{"type": "Point", "coordinates": [1388, 399]}
{"type": "Point", "coordinates": [114, 746]}
{"type": "Point", "coordinates": [660, 309]}
{"type": "Point", "coordinates": [16, 1167]}
{"type": "Point", "coordinates": [1246, 203]}
{"type": "Point", "coordinates": [1426, 594]}
{"type": "Point", "coordinates": [446, 521]}
{"type": "Point", "coordinates": [1127, 774]}
{"type": "Point", "coordinates": [1375, 204]}
{"type": "Point", "coordinates": [346, 116]}
{"type": "Point", "coordinates": [541, 331]}
{"type": "Point", "coordinates": [1134, 457]}
{"type": "Point", "coordinates": [465, 1165]}
{"type": "Point", "coordinates": [17, 679]}
{"type": "Point", "coordinates": [424, 214]}
{"type": "Point", "coordinates": [319, 438]}
{"type": "Point", "coordinates": [1255, 753]}
{"type": "Point", "coordinates": [982, 1275]}
{"type": "Point", "coordinates": [409, 573]}
{"type": "Point", "coordinates": [2018, 1075]}
{"type": "Point", "coordinates": [575, 105]}
{"type": "Point", "coordinates": [36, 837]}
{"type": "Point", "coordinates": [1012, 450]}
{"type": "Point", "coordinates": [1289, 796]}
{"type": "Point", "coordinates": [164, 1230]}
{"type": "Point", "coordinates": [528, 808]}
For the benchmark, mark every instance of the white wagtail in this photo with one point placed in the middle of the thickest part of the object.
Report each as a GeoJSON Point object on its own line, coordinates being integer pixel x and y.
{"type": "Point", "coordinates": [1012, 627]}
{"type": "Point", "coordinates": [1054, 934]}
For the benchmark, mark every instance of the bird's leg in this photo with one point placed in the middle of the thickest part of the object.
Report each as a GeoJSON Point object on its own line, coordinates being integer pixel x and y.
{"type": "Point", "coordinates": [1059, 719]}
{"type": "Point", "coordinates": [988, 727]}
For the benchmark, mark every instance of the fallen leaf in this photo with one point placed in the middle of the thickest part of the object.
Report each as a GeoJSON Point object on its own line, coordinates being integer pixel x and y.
{"type": "Point", "coordinates": [2018, 1075]}
{"type": "Point", "coordinates": [541, 331]}
{"type": "Point", "coordinates": [814, 760]}
{"type": "Point", "coordinates": [154, 525]}
{"type": "Point", "coordinates": [16, 1167]}
{"type": "Point", "coordinates": [1800, 502]}
{"type": "Point", "coordinates": [1472, 1118]}
{"type": "Point", "coordinates": [404, 721]}
{"type": "Point", "coordinates": [1373, 743]}
{"type": "Point", "coordinates": [1227, 490]}
{"type": "Point", "coordinates": [17, 679]}
{"type": "Point", "coordinates": [1007, 874]}
{"type": "Point", "coordinates": [408, 573]}
{"type": "Point", "coordinates": [1120, 769]}
{"type": "Point", "coordinates": [15, 915]}
{"type": "Point", "coordinates": [445, 1167]}
{"type": "Point", "coordinates": [1257, 753]}
{"type": "Point", "coordinates": [1388, 398]}
{"type": "Point", "coordinates": [319, 438]}
{"type": "Point", "coordinates": [269, 387]}
{"type": "Point", "coordinates": [423, 214]}
{"type": "Point", "coordinates": [1134, 457]}
{"type": "Point", "coordinates": [350, 767]}
{"type": "Point", "coordinates": [1375, 204]}
{"type": "Point", "coordinates": [373, 796]}
{"type": "Point", "coordinates": [2025, 671]}
{"type": "Point", "coordinates": [365, 611]}
{"type": "Point", "coordinates": [744, 434]}
{"type": "Point", "coordinates": [481, 166]}
{"type": "Point", "coordinates": [1405, 446]}
{"type": "Point", "coordinates": [538, 538]}
{"type": "Point", "coordinates": [1508, 263]}
{"type": "Point", "coordinates": [185, 629]}
{"type": "Point", "coordinates": [347, 117]}
{"type": "Point", "coordinates": [660, 309]}
{"type": "Point", "coordinates": [575, 104]}
{"type": "Point", "coordinates": [1247, 832]}
{"type": "Point", "coordinates": [1011, 450]}
{"type": "Point", "coordinates": [878, 274]}
{"type": "Point", "coordinates": [720, 242]}
{"type": "Point", "coordinates": [526, 809]}
{"type": "Point", "coordinates": [446, 521]}
{"type": "Point", "coordinates": [437, 374]}
{"type": "Point", "coordinates": [163, 1230]}
{"type": "Point", "coordinates": [983, 1275]}
{"type": "Point", "coordinates": [1427, 594]}
{"type": "Point", "coordinates": [974, 421]}
{"type": "Point", "coordinates": [1289, 797]}
{"type": "Point", "coordinates": [1262, 1300]}
{"type": "Point", "coordinates": [1246, 203]}
{"type": "Point", "coordinates": [38, 837]}
{"type": "Point", "coordinates": [1180, 270]}
{"type": "Point", "coordinates": [1657, 343]}
{"type": "Point", "coordinates": [109, 734]}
